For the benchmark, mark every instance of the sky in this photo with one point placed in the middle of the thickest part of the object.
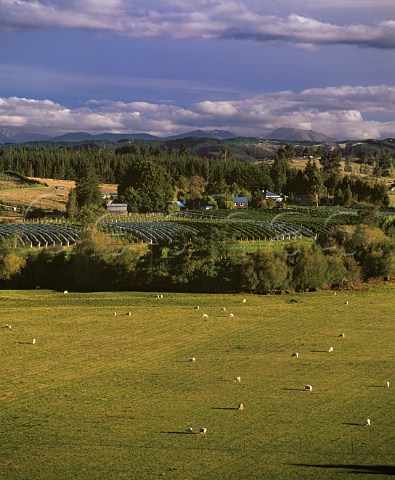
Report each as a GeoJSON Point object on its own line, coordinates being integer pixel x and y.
{"type": "Point", "coordinates": [166, 67]}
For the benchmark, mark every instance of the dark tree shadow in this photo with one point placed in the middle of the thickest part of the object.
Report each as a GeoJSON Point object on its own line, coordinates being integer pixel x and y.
{"type": "Point", "coordinates": [180, 433]}
{"type": "Point", "coordinates": [224, 408]}
{"type": "Point", "coordinates": [355, 469]}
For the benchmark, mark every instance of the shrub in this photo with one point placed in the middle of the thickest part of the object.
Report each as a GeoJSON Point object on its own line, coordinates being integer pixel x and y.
{"type": "Point", "coordinates": [265, 271]}
{"type": "Point", "coordinates": [308, 268]}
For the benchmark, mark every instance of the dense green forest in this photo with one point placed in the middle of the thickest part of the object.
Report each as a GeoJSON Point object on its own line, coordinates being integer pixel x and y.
{"type": "Point", "coordinates": [188, 176]}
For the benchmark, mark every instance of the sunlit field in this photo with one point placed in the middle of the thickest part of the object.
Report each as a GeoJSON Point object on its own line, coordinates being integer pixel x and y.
{"type": "Point", "coordinates": [104, 396]}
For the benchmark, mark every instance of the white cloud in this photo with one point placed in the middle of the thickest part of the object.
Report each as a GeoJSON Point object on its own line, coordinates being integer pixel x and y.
{"type": "Point", "coordinates": [204, 19]}
{"type": "Point", "coordinates": [337, 111]}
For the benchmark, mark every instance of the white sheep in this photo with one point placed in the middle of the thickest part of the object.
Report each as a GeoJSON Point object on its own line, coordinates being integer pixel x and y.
{"type": "Point", "coordinates": [240, 406]}
{"type": "Point", "coordinates": [204, 315]}
{"type": "Point", "coordinates": [237, 379]}
{"type": "Point", "coordinates": [189, 430]}
{"type": "Point", "coordinates": [367, 422]}
{"type": "Point", "coordinates": [341, 335]}
{"type": "Point", "coordinates": [203, 430]}
{"type": "Point", "coordinates": [308, 388]}
{"type": "Point", "coordinates": [334, 293]}
{"type": "Point", "coordinates": [114, 314]}
{"type": "Point", "coordinates": [33, 341]}
{"type": "Point", "coordinates": [330, 349]}
{"type": "Point", "coordinates": [231, 315]}
{"type": "Point", "coordinates": [244, 300]}
{"type": "Point", "coordinates": [197, 307]}
{"type": "Point", "coordinates": [8, 326]}
{"type": "Point", "coordinates": [192, 359]}
{"type": "Point", "coordinates": [129, 314]}
{"type": "Point", "coordinates": [346, 302]}
{"type": "Point", "coordinates": [295, 354]}
{"type": "Point", "coordinates": [65, 292]}
{"type": "Point", "coordinates": [387, 384]}
{"type": "Point", "coordinates": [223, 309]}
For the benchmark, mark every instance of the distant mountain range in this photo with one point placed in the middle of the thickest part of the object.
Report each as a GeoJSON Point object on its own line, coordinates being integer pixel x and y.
{"type": "Point", "coordinates": [296, 135]}
{"type": "Point", "coordinates": [11, 135]}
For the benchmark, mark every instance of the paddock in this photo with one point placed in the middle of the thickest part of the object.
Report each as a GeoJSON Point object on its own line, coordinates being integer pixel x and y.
{"type": "Point", "coordinates": [113, 399]}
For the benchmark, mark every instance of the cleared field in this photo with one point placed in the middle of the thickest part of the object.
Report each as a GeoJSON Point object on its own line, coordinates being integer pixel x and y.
{"type": "Point", "coordinates": [47, 198]}
{"type": "Point", "coordinates": [35, 197]}
{"type": "Point", "coordinates": [110, 397]}
{"type": "Point", "coordinates": [68, 184]}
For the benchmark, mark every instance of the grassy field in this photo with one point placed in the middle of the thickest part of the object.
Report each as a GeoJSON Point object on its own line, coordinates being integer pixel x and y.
{"type": "Point", "coordinates": [47, 198]}
{"type": "Point", "coordinates": [110, 397]}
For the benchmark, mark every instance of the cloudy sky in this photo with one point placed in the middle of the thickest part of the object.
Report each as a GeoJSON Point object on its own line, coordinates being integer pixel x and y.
{"type": "Point", "coordinates": [169, 66]}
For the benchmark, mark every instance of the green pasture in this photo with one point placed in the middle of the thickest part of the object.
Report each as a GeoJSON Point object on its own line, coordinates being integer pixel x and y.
{"type": "Point", "coordinates": [110, 397]}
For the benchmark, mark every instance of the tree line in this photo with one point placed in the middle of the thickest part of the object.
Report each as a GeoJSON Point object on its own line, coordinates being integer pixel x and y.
{"type": "Point", "coordinates": [150, 178]}
{"type": "Point", "coordinates": [338, 259]}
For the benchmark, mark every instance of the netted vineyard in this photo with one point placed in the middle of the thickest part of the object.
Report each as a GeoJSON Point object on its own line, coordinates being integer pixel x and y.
{"type": "Point", "coordinates": [306, 221]}
{"type": "Point", "coordinates": [168, 231]}
{"type": "Point", "coordinates": [276, 224]}
{"type": "Point", "coordinates": [40, 234]}
{"type": "Point", "coordinates": [151, 232]}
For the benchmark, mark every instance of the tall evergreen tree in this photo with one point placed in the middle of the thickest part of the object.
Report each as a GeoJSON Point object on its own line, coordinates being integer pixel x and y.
{"type": "Point", "coordinates": [72, 205]}
{"type": "Point", "coordinates": [146, 186]}
{"type": "Point", "coordinates": [87, 186]}
{"type": "Point", "coordinates": [279, 170]}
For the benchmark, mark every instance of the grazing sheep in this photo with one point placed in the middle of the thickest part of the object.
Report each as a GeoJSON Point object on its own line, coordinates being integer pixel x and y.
{"type": "Point", "coordinates": [244, 300]}
{"type": "Point", "coordinates": [65, 292]}
{"type": "Point", "coordinates": [387, 384]}
{"type": "Point", "coordinates": [335, 293]}
{"type": "Point", "coordinates": [237, 379]}
{"type": "Point", "coordinates": [114, 314]}
{"type": "Point", "coordinates": [197, 307]}
{"type": "Point", "coordinates": [203, 430]}
{"type": "Point", "coordinates": [367, 422]}
{"type": "Point", "coordinates": [223, 309]}
{"type": "Point", "coordinates": [189, 430]}
{"type": "Point", "coordinates": [240, 406]}
{"type": "Point", "coordinates": [295, 354]}
{"type": "Point", "coordinates": [129, 313]}
{"type": "Point", "coordinates": [308, 388]}
{"type": "Point", "coordinates": [341, 334]}
{"type": "Point", "coordinates": [231, 315]}
{"type": "Point", "coordinates": [33, 341]}
{"type": "Point", "coordinates": [330, 349]}
{"type": "Point", "coordinates": [8, 326]}
{"type": "Point", "coordinates": [346, 302]}
{"type": "Point", "coordinates": [204, 315]}
{"type": "Point", "coordinates": [192, 359]}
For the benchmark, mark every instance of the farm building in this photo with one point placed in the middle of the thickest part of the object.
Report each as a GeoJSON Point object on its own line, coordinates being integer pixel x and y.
{"type": "Point", "coordinates": [273, 196]}
{"type": "Point", "coordinates": [240, 202]}
{"type": "Point", "coordinates": [177, 202]}
{"type": "Point", "coordinates": [117, 208]}
{"type": "Point", "coordinates": [205, 207]}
